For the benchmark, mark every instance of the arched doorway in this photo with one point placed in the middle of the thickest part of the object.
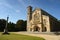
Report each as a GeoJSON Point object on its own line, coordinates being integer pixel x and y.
{"type": "Point", "coordinates": [45, 29]}
{"type": "Point", "coordinates": [36, 28]}
{"type": "Point", "coordinates": [30, 29]}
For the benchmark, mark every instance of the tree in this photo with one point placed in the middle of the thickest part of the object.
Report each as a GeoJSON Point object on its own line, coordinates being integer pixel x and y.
{"type": "Point", "coordinates": [24, 25]}
{"type": "Point", "coordinates": [21, 25]}
{"type": "Point", "coordinates": [11, 26]}
{"type": "Point", "coordinates": [2, 24]}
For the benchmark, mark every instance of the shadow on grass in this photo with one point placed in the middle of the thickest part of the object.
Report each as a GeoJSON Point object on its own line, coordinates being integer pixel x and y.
{"type": "Point", "coordinates": [5, 33]}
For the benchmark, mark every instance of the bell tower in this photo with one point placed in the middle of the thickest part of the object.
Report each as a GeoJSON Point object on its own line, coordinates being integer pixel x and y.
{"type": "Point", "coordinates": [29, 17]}
{"type": "Point", "coordinates": [29, 9]}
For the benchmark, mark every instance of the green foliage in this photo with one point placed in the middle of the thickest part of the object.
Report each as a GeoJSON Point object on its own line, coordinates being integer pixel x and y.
{"type": "Point", "coordinates": [19, 37]}
{"type": "Point", "coordinates": [2, 24]}
{"type": "Point", "coordinates": [11, 26]}
{"type": "Point", "coordinates": [21, 25]}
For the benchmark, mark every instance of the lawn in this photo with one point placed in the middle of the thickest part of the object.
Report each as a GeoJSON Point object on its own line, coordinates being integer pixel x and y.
{"type": "Point", "coordinates": [13, 36]}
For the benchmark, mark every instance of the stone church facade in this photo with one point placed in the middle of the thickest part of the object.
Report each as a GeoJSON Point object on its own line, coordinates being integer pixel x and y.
{"type": "Point", "coordinates": [39, 20]}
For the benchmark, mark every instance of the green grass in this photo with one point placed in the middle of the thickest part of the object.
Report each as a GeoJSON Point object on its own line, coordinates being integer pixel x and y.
{"type": "Point", "coordinates": [18, 37]}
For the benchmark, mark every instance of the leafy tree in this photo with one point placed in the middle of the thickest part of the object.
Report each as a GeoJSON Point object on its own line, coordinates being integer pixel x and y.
{"type": "Point", "coordinates": [11, 26]}
{"type": "Point", "coordinates": [24, 25]}
{"type": "Point", "coordinates": [21, 25]}
{"type": "Point", "coordinates": [2, 24]}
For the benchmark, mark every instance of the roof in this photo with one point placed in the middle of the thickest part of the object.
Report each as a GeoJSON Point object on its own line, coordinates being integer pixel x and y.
{"type": "Point", "coordinates": [45, 13]}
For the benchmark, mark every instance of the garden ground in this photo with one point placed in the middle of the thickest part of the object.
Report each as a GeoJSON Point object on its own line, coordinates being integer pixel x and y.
{"type": "Point", "coordinates": [45, 36]}
{"type": "Point", "coordinates": [14, 36]}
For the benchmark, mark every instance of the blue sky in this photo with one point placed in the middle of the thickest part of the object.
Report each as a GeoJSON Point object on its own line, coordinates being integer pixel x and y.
{"type": "Point", "coordinates": [17, 9]}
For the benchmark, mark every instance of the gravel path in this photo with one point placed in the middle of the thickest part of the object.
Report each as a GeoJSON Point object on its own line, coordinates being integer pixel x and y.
{"type": "Point", "coordinates": [45, 36]}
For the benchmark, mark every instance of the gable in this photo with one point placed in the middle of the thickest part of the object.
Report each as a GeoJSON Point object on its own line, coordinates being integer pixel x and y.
{"type": "Point", "coordinates": [36, 11]}
{"type": "Point", "coordinates": [36, 16]}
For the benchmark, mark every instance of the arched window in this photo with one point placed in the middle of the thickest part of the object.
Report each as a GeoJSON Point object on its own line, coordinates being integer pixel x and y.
{"type": "Point", "coordinates": [36, 18]}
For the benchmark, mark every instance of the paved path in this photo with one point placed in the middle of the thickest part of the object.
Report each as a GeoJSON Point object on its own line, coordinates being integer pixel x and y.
{"type": "Point", "coordinates": [46, 36]}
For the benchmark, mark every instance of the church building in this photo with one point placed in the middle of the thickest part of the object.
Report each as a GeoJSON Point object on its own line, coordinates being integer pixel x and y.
{"type": "Point", "coordinates": [41, 21]}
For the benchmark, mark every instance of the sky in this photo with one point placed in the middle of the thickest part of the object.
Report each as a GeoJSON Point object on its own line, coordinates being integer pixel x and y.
{"type": "Point", "coordinates": [17, 9]}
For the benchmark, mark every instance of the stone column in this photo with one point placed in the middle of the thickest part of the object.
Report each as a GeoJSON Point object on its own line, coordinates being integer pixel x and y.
{"type": "Point", "coordinates": [48, 29]}
{"type": "Point", "coordinates": [32, 28]}
{"type": "Point", "coordinates": [40, 29]}
{"type": "Point", "coordinates": [40, 26]}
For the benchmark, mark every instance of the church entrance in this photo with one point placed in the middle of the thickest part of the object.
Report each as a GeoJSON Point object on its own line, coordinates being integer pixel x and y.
{"type": "Point", "coordinates": [36, 28]}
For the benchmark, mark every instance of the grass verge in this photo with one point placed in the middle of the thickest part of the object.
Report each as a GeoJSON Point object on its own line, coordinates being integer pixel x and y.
{"type": "Point", "coordinates": [13, 36]}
